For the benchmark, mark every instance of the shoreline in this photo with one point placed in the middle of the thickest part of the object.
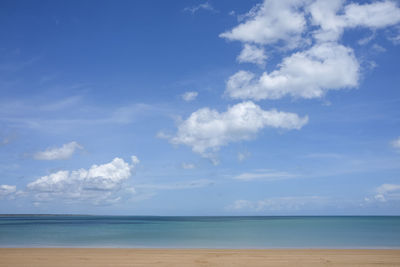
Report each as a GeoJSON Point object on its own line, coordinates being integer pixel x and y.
{"type": "Point", "coordinates": [199, 249]}
{"type": "Point", "coordinates": [47, 257]}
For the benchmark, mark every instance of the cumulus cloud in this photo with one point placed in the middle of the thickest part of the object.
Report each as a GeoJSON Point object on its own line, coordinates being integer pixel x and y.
{"type": "Point", "coordinates": [204, 6]}
{"type": "Point", "coordinates": [307, 33]}
{"type": "Point", "coordinates": [189, 96]}
{"type": "Point", "coordinates": [307, 74]}
{"type": "Point", "coordinates": [373, 15]}
{"type": "Point", "coordinates": [7, 190]}
{"type": "Point", "coordinates": [252, 54]}
{"type": "Point", "coordinates": [396, 143]}
{"type": "Point", "coordinates": [99, 182]}
{"type": "Point", "coordinates": [323, 15]}
{"type": "Point", "coordinates": [270, 22]}
{"type": "Point", "coordinates": [64, 152]}
{"type": "Point", "coordinates": [206, 130]}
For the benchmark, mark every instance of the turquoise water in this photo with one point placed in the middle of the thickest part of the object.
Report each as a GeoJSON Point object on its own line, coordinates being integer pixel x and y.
{"type": "Point", "coordinates": [199, 232]}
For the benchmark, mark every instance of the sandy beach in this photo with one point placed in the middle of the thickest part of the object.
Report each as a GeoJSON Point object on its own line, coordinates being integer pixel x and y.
{"type": "Point", "coordinates": [44, 257]}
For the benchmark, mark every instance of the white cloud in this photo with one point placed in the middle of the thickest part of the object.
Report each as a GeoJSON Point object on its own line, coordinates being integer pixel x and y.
{"type": "Point", "coordinates": [396, 143]}
{"type": "Point", "coordinates": [35, 115]}
{"type": "Point", "coordinates": [252, 54]}
{"type": "Point", "coordinates": [177, 185]}
{"type": "Point", "coordinates": [64, 152]}
{"type": "Point", "coordinates": [135, 160]}
{"type": "Point", "coordinates": [394, 35]}
{"type": "Point", "coordinates": [6, 139]}
{"type": "Point", "coordinates": [241, 156]}
{"type": "Point", "coordinates": [280, 204]}
{"type": "Point", "coordinates": [206, 130]}
{"type": "Point", "coordinates": [188, 166]}
{"type": "Point", "coordinates": [367, 39]}
{"type": "Point", "coordinates": [55, 182]}
{"type": "Point", "coordinates": [374, 15]}
{"type": "Point", "coordinates": [310, 73]}
{"type": "Point", "coordinates": [98, 183]}
{"type": "Point", "coordinates": [378, 48]}
{"type": "Point", "coordinates": [7, 190]}
{"type": "Point", "coordinates": [323, 14]}
{"type": "Point", "coordinates": [204, 6]}
{"type": "Point", "coordinates": [286, 20]}
{"type": "Point", "coordinates": [189, 96]}
{"type": "Point", "coordinates": [324, 156]}
{"type": "Point", "coordinates": [318, 65]}
{"type": "Point", "coordinates": [163, 135]}
{"type": "Point", "coordinates": [385, 192]}
{"type": "Point", "coordinates": [270, 22]}
{"type": "Point", "coordinates": [386, 188]}
{"type": "Point", "coordinates": [267, 175]}
{"type": "Point", "coordinates": [241, 204]}
{"type": "Point", "coordinates": [307, 74]}
{"type": "Point", "coordinates": [68, 102]}
{"type": "Point", "coordinates": [380, 198]}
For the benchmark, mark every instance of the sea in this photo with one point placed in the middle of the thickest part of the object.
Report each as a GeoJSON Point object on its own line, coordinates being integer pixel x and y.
{"type": "Point", "coordinates": [364, 232]}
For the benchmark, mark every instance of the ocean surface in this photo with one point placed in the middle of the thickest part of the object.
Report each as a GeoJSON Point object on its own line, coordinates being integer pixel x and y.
{"type": "Point", "coordinates": [200, 232]}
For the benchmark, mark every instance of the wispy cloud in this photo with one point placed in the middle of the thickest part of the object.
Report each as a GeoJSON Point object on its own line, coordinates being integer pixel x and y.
{"type": "Point", "coordinates": [58, 153]}
{"type": "Point", "coordinates": [188, 166]}
{"type": "Point", "coordinates": [177, 186]}
{"type": "Point", "coordinates": [5, 139]}
{"type": "Point", "coordinates": [291, 203]}
{"type": "Point", "coordinates": [16, 66]}
{"type": "Point", "coordinates": [189, 96]}
{"type": "Point", "coordinates": [396, 143]}
{"type": "Point", "coordinates": [354, 164]}
{"type": "Point", "coordinates": [65, 103]}
{"type": "Point", "coordinates": [343, 165]}
{"type": "Point", "coordinates": [367, 39]}
{"type": "Point", "coordinates": [324, 155]}
{"type": "Point", "coordinates": [7, 190]}
{"type": "Point", "coordinates": [394, 36]}
{"type": "Point", "coordinates": [71, 112]}
{"type": "Point", "coordinates": [241, 156]}
{"type": "Point", "coordinates": [204, 6]}
{"type": "Point", "coordinates": [265, 175]}
{"type": "Point", "coordinates": [385, 193]}
{"type": "Point", "coordinates": [378, 48]}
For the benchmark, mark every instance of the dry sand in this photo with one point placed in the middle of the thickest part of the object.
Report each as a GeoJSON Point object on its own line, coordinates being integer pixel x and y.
{"type": "Point", "coordinates": [46, 257]}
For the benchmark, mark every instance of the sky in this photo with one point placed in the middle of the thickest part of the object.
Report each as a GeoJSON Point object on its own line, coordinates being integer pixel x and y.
{"type": "Point", "coordinates": [200, 107]}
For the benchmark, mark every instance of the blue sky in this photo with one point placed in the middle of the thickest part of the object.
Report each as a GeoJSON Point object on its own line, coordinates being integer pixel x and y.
{"type": "Point", "coordinates": [200, 108]}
